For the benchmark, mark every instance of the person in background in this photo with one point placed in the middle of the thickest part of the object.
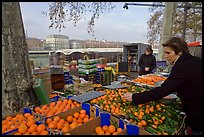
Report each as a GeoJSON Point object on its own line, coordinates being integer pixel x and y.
{"type": "Point", "coordinates": [147, 62]}
{"type": "Point", "coordinates": [185, 79]}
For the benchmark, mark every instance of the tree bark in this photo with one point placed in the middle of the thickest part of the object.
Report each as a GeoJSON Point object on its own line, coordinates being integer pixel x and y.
{"type": "Point", "coordinates": [167, 26]}
{"type": "Point", "coordinates": [17, 91]}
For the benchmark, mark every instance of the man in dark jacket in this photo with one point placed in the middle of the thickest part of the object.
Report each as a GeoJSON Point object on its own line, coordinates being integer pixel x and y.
{"type": "Point", "coordinates": [147, 62]}
{"type": "Point", "coordinates": [185, 79]}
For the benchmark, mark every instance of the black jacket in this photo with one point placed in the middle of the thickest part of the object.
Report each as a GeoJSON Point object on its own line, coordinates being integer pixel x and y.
{"type": "Point", "coordinates": [147, 61]}
{"type": "Point", "coordinates": [185, 79]}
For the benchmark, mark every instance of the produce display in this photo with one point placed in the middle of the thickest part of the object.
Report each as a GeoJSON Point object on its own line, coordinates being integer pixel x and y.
{"type": "Point", "coordinates": [68, 111]}
{"type": "Point", "coordinates": [149, 80]}
{"type": "Point", "coordinates": [107, 130]}
{"type": "Point", "coordinates": [23, 124]}
{"type": "Point", "coordinates": [64, 125]}
{"type": "Point", "coordinates": [155, 117]}
{"type": "Point", "coordinates": [55, 107]}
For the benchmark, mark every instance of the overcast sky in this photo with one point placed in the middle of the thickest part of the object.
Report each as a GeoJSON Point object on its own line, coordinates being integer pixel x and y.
{"type": "Point", "coordinates": [123, 25]}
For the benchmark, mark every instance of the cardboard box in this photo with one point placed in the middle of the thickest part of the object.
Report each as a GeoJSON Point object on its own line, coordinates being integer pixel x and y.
{"type": "Point", "coordinates": [104, 119]}
{"type": "Point", "coordinates": [26, 110]}
{"type": "Point", "coordinates": [90, 110]}
{"type": "Point", "coordinates": [89, 127]}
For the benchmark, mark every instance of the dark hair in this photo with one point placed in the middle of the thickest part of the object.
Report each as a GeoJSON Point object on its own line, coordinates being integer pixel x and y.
{"type": "Point", "coordinates": [177, 44]}
{"type": "Point", "coordinates": [149, 49]}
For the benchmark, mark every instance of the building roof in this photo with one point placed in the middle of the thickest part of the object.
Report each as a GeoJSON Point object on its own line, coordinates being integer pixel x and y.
{"type": "Point", "coordinates": [87, 50]}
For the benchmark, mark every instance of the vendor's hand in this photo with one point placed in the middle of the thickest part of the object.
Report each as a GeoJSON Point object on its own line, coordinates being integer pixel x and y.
{"type": "Point", "coordinates": [146, 69]}
{"type": "Point", "coordinates": [127, 96]}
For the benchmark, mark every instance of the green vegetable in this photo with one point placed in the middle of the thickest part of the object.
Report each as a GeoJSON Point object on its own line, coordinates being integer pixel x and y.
{"type": "Point", "coordinates": [151, 130]}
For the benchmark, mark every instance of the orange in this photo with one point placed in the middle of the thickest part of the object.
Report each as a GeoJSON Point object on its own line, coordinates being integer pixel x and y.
{"type": "Point", "coordinates": [111, 129]}
{"type": "Point", "coordinates": [136, 114]}
{"type": "Point", "coordinates": [69, 119]}
{"type": "Point", "coordinates": [75, 120]}
{"type": "Point", "coordinates": [97, 129]}
{"type": "Point", "coordinates": [9, 118]}
{"type": "Point", "coordinates": [76, 115]}
{"type": "Point", "coordinates": [44, 107]}
{"type": "Point", "coordinates": [52, 125]}
{"type": "Point", "coordinates": [80, 120]}
{"type": "Point", "coordinates": [50, 113]}
{"type": "Point", "coordinates": [30, 117]}
{"type": "Point", "coordinates": [59, 102]}
{"type": "Point", "coordinates": [73, 106]}
{"type": "Point", "coordinates": [36, 109]}
{"type": "Point", "coordinates": [100, 132]}
{"type": "Point", "coordinates": [62, 121]}
{"type": "Point", "coordinates": [44, 133]}
{"type": "Point", "coordinates": [105, 128]}
{"type": "Point", "coordinates": [73, 125]}
{"type": "Point", "coordinates": [82, 111]}
{"type": "Point", "coordinates": [65, 130]}
{"type": "Point", "coordinates": [33, 128]}
{"type": "Point", "coordinates": [41, 128]}
{"type": "Point", "coordinates": [34, 133]}
{"type": "Point", "coordinates": [30, 123]}
{"type": "Point", "coordinates": [85, 119]}
{"type": "Point", "coordinates": [68, 106]}
{"type": "Point", "coordinates": [115, 133]}
{"type": "Point", "coordinates": [69, 101]}
{"type": "Point", "coordinates": [13, 126]}
{"type": "Point", "coordinates": [82, 115]}
{"type": "Point", "coordinates": [66, 124]}
{"type": "Point", "coordinates": [22, 129]}
{"type": "Point", "coordinates": [56, 118]}
{"type": "Point", "coordinates": [48, 121]}
{"type": "Point", "coordinates": [27, 133]}
{"type": "Point", "coordinates": [107, 133]}
{"type": "Point", "coordinates": [65, 102]}
{"type": "Point", "coordinates": [139, 124]}
{"type": "Point", "coordinates": [27, 114]}
{"type": "Point", "coordinates": [60, 125]}
{"type": "Point", "coordinates": [17, 133]}
{"type": "Point", "coordinates": [52, 104]}
{"type": "Point", "coordinates": [140, 117]}
{"type": "Point", "coordinates": [119, 130]}
{"type": "Point", "coordinates": [144, 123]}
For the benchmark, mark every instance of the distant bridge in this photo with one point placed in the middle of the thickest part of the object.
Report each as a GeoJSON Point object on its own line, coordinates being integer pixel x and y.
{"type": "Point", "coordinates": [70, 51]}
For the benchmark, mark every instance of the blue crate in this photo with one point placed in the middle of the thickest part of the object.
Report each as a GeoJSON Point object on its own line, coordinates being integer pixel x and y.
{"type": "Point", "coordinates": [54, 99]}
{"type": "Point", "coordinates": [69, 81]}
{"type": "Point", "coordinates": [161, 63]}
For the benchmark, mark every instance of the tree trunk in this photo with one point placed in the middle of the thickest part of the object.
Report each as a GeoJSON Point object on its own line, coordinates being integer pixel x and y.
{"type": "Point", "coordinates": [17, 91]}
{"type": "Point", "coordinates": [166, 32]}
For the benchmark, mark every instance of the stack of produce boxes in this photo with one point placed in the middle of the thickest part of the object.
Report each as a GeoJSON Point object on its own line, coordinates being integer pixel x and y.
{"type": "Point", "coordinates": [68, 79]}
{"type": "Point", "coordinates": [57, 77]}
{"type": "Point", "coordinates": [87, 69]}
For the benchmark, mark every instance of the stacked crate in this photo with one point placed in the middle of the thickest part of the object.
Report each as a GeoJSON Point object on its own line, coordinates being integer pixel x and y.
{"type": "Point", "coordinates": [87, 69]}
{"type": "Point", "coordinates": [57, 77]}
{"type": "Point", "coordinates": [68, 79]}
{"type": "Point", "coordinates": [45, 76]}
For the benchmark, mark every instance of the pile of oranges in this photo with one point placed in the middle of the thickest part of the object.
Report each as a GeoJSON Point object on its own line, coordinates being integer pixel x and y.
{"type": "Point", "coordinates": [97, 85]}
{"type": "Point", "coordinates": [53, 95]}
{"type": "Point", "coordinates": [25, 123]}
{"type": "Point", "coordinates": [149, 79]}
{"type": "Point", "coordinates": [69, 123]}
{"type": "Point", "coordinates": [55, 108]}
{"type": "Point", "coordinates": [107, 130]}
